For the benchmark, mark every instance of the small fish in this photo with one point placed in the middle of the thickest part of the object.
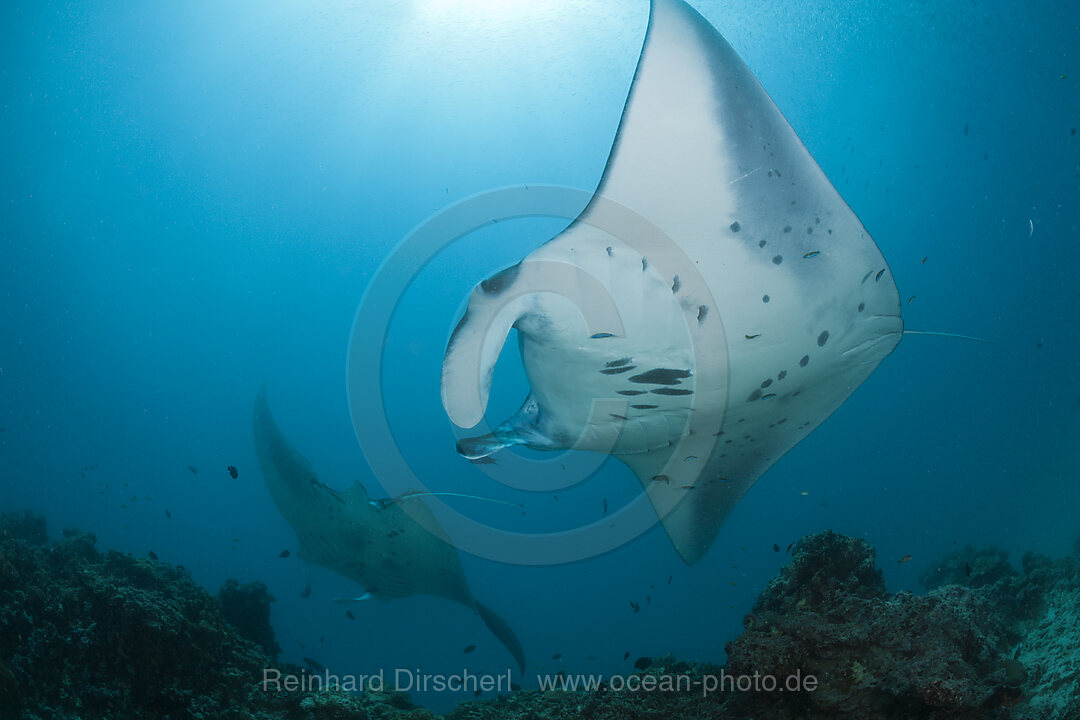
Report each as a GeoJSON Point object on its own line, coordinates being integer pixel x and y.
{"type": "Point", "coordinates": [152, 555]}
{"type": "Point", "coordinates": [648, 599]}
{"type": "Point", "coordinates": [906, 558]}
{"type": "Point", "coordinates": [626, 655]}
{"type": "Point", "coordinates": [348, 614]}
{"type": "Point", "coordinates": [812, 253]}
{"type": "Point", "coordinates": [925, 259]}
{"type": "Point", "coordinates": [775, 547]}
{"type": "Point", "coordinates": [687, 487]}
{"type": "Point", "coordinates": [605, 506]}
{"type": "Point", "coordinates": [880, 273]}
{"type": "Point", "coordinates": [731, 582]}
{"type": "Point", "coordinates": [1031, 227]}
{"type": "Point", "coordinates": [557, 656]}
{"type": "Point", "coordinates": [284, 554]}
{"type": "Point", "coordinates": [233, 472]}
{"type": "Point", "coordinates": [804, 492]}
{"type": "Point", "coordinates": [306, 592]}
{"type": "Point", "coordinates": [468, 649]}
{"type": "Point", "coordinates": [635, 606]}
{"type": "Point", "coordinates": [193, 469]}
{"type": "Point", "coordinates": [910, 299]}
{"type": "Point", "coordinates": [755, 335]}
{"type": "Point", "coordinates": [789, 547]}
{"type": "Point", "coordinates": [690, 458]}
{"type": "Point", "coordinates": [476, 692]}
{"type": "Point", "coordinates": [168, 514]}
{"type": "Point", "coordinates": [669, 579]}
{"type": "Point", "coordinates": [766, 396]}
{"type": "Point", "coordinates": [643, 663]}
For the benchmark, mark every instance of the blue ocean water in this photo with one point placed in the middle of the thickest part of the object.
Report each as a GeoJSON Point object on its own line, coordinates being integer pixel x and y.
{"type": "Point", "coordinates": [195, 198]}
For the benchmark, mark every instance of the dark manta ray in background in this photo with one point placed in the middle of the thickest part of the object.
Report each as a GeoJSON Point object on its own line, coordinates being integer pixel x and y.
{"type": "Point", "coordinates": [750, 300]}
{"type": "Point", "coordinates": [374, 543]}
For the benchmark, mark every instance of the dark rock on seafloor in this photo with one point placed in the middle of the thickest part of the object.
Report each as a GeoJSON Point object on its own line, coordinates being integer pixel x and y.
{"type": "Point", "coordinates": [872, 655]}
{"type": "Point", "coordinates": [85, 634]}
{"type": "Point", "coordinates": [247, 608]}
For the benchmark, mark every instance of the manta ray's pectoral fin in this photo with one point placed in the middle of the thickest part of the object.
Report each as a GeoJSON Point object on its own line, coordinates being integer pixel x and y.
{"type": "Point", "coordinates": [523, 428]}
{"type": "Point", "coordinates": [692, 500]}
{"type": "Point", "coordinates": [502, 630]}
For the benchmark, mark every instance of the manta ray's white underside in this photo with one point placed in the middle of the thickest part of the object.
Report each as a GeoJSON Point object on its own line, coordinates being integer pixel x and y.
{"type": "Point", "coordinates": [749, 301]}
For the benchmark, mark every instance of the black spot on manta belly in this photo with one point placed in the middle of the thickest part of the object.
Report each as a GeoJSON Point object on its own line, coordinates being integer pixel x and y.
{"type": "Point", "coordinates": [618, 363]}
{"type": "Point", "coordinates": [661, 376]}
{"type": "Point", "coordinates": [778, 259]}
{"type": "Point", "coordinates": [764, 298]}
{"type": "Point", "coordinates": [787, 228]}
{"type": "Point", "coordinates": [675, 284]}
{"type": "Point", "coordinates": [805, 359]}
{"type": "Point", "coordinates": [630, 392]}
{"type": "Point", "coordinates": [617, 370]}
{"type": "Point", "coordinates": [500, 280]}
{"type": "Point", "coordinates": [762, 243]}
{"type": "Point", "coordinates": [823, 338]}
{"type": "Point", "coordinates": [766, 382]}
{"type": "Point", "coordinates": [672, 391]}
{"type": "Point", "coordinates": [600, 336]}
{"type": "Point", "coordinates": [608, 250]}
{"type": "Point", "coordinates": [644, 407]}
{"type": "Point", "coordinates": [756, 395]}
{"type": "Point", "coordinates": [735, 226]}
{"type": "Point", "coordinates": [862, 306]}
{"type": "Point", "coordinates": [702, 311]}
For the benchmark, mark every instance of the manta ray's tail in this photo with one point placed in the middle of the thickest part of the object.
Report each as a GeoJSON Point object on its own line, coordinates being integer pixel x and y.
{"type": "Point", "coordinates": [502, 630]}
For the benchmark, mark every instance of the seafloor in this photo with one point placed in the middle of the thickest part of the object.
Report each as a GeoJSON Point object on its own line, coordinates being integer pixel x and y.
{"type": "Point", "coordinates": [86, 634]}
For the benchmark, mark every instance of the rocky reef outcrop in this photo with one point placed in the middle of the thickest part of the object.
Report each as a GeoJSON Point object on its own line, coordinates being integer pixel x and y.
{"type": "Point", "coordinates": [87, 634]}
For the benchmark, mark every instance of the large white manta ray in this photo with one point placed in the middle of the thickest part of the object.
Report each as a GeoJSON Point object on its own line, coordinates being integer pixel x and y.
{"type": "Point", "coordinates": [749, 300]}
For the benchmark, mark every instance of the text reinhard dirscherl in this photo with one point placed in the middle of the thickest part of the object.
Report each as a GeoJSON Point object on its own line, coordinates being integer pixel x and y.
{"type": "Point", "coordinates": [413, 680]}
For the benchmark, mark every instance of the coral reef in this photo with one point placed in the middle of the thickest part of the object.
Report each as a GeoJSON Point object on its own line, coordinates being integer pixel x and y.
{"type": "Point", "coordinates": [88, 634]}
{"type": "Point", "coordinates": [874, 655]}
{"type": "Point", "coordinates": [247, 608]}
